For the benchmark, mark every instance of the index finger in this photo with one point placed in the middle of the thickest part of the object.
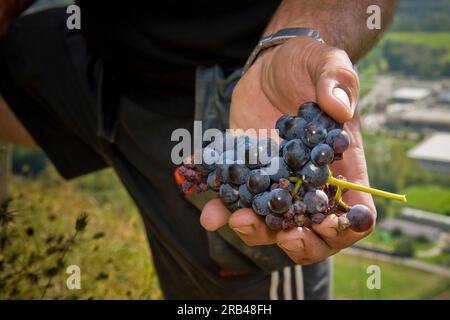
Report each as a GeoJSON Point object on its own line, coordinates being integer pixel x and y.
{"type": "Point", "coordinates": [353, 168]}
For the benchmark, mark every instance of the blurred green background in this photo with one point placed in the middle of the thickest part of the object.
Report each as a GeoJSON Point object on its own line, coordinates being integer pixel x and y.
{"type": "Point", "coordinates": [409, 70]}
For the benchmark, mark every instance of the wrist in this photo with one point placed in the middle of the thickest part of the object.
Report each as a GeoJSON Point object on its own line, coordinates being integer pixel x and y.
{"type": "Point", "coordinates": [278, 38]}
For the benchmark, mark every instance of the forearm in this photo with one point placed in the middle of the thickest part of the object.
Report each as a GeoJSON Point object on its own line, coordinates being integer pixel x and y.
{"type": "Point", "coordinates": [342, 23]}
{"type": "Point", "coordinates": [9, 9]}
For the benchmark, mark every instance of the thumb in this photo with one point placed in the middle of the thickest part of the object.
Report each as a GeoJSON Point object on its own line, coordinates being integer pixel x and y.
{"type": "Point", "coordinates": [337, 86]}
{"type": "Point", "coordinates": [214, 215]}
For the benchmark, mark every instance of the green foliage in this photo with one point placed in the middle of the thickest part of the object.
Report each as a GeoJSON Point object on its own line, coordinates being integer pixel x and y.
{"type": "Point", "coordinates": [28, 162]}
{"type": "Point", "coordinates": [366, 84]}
{"type": "Point", "coordinates": [419, 15]}
{"type": "Point", "coordinates": [404, 248]}
{"type": "Point", "coordinates": [397, 232]}
{"type": "Point", "coordinates": [386, 158]}
{"type": "Point", "coordinates": [420, 54]}
{"type": "Point", "coordinates": [412, 59]}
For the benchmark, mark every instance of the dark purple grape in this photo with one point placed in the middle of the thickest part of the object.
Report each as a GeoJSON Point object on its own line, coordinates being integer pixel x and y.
{"type": "Point", "coordinates": [313, 134]}
{"type": "Point", "coordinates": [285, 184]}
{"type": "Point", "coordinates": [288, 224]}
{"type": "Point", "coordinates": [204, 168]}
{"type": "Point", "coordinates": [210, 155]}
{"type": "Point", "coordinates": [295, 130]}
{"type": "Point", "coordinates": [283, 124]}
{"type": "Point", "coordinates": [252, 155]}
{"type": "Point", "coordinates": [267, 149]}
{"type": "Point", "coordinates": [282, 144]}
{"type": "Point", "coordinates": [247, 150]}
{"type": "Point", "coordinates": [228, 194]}
{"type": "Point", "coordinates": [299, 207]}
{"type": "Point", "coordinates": [238, 173]}
{"type": "Point", "coordinates": [222, 172]}
{"type": "Point", "coordinates": [277, 169]}
{"type": "Point", "coordinates": [189, 174]}
{"type": "Point", "coordinates": [316, 201]}
{"type": "Point", "coordinates": [212, 181]}
{"type": "Point", "coordinates": [280, 201]}
{"type": "Point", "coordinates": [326, 121]}
{"type": "Point", "coordinates": [232, 207]}
{"type": "Point", "coordinates": [317, 217]}
{"type": "Point", "coordinates": [322, 154]}
{"type": "Point", "coordinates": [207, 159]}
{"type": "Point", "coordinates": [260, 204]}
{"type": "Point", "coordinates": [273, 222]}
{"type": "Point", "coordinates": [245, 196]}
{"type": "Point", "coordinates": [309, 111]}
{"type": "Point", "coordinates": [360, 217]}
{"type": "Point", "coordinates": [258, 181]}
{"type": "Point", "coordinates": [289, 215]}
{"type": "Point", "coordinates": [295, 154]}
{"type": "Point", "coordinates": [300, 220]}
{"type": "Point", "coordinates": [314, 176]}
{"type": "Point", "coordinates": [186, 186]}
{"type": "Point", "coordinates": [339, 140]}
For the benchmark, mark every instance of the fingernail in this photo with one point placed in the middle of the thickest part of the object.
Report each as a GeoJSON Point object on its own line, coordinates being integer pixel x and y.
{"type": "Point", "coordinates": [293, 245]}
{"type": "Point", "coordinates": [245, 230]}
{"type": "Point", "coordinates": [342, 96]}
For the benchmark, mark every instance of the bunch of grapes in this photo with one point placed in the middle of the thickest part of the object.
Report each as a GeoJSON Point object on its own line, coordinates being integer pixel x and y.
{"type": "Point", "coordinates": [287, 184]}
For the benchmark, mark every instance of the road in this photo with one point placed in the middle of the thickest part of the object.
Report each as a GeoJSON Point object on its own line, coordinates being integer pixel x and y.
{"type": "Point", "coordinates": [402, 261]}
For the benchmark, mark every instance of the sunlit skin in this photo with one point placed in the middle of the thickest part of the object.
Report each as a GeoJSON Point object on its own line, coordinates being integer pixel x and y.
{"type": "Point", "coordinates": [288, 75]}
{"type": "Point", "coordinates": [261, 97]}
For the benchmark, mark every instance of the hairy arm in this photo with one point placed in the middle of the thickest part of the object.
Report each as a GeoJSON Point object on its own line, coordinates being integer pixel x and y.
{"type": "Point", "coordinates": [9, 9]}
{"type": "Point", "coordinates": [342, 23]}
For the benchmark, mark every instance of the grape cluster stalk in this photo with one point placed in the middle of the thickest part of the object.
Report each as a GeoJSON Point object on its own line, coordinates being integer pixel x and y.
{"type": "Point", "coordinates": [288, 184]}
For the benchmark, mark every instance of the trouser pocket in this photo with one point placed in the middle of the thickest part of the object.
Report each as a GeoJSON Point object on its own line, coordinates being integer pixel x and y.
{"type": "Point", "coordinates": [212, 106]}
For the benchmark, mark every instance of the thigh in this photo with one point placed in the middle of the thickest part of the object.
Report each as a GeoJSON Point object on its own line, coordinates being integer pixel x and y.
{"type": "Point", "coordinates": [50, 80]}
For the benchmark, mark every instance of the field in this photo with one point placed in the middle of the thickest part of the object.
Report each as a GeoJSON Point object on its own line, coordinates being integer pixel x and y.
{"type": "Point", "coordinates": [429, 197]}
{"type": "Point", "coordinates": [112, 252]}
{"type": "Point", "coordinates": [397, 282]}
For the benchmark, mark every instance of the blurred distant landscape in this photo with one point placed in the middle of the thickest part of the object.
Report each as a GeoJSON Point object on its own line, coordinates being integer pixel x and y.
{"type": "Point", "coordinates": [405, 109]}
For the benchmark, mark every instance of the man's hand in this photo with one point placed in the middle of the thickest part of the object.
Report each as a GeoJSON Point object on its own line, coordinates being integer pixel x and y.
{"type": "Point", "coordinates": [280, 80]}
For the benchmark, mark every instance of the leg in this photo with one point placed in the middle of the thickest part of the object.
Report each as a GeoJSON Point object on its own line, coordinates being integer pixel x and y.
{"type": "Point", "coordinates": [42, 91]}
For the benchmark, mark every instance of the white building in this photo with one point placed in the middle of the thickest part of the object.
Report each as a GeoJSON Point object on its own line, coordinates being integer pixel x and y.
{"type": "Point", "coordinates": [409, 94]}
{"type": "Point", "coordinates": [434, 152]}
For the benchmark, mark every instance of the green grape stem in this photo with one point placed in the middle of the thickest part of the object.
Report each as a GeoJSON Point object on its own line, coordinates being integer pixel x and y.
{"type": "Point", "coordinates": [343, 205]}
{"type": "Point", "coordinates": [348, 185]}
{"type": "Point", "coordinates": [298, 183]}
{"type": "Point", "coordinates": [338, 195]}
